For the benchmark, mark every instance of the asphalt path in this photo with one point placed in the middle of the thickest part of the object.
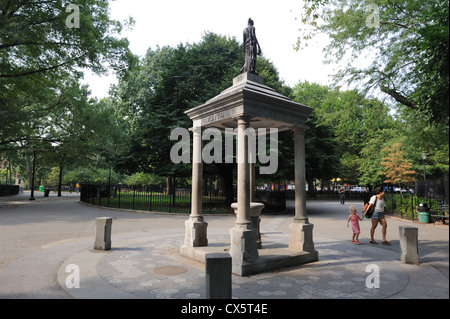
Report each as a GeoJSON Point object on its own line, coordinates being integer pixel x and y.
{"type": "Point", "coordinates": [34, 228]}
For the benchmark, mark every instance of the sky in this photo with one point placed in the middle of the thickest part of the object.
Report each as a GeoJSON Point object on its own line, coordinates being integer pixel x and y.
{"type": "Point", "coordinates": [171, 22]}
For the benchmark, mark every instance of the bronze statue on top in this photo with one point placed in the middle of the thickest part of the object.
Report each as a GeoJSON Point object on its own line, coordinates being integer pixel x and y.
{"type": "Point", "coordinates": [252, 48]}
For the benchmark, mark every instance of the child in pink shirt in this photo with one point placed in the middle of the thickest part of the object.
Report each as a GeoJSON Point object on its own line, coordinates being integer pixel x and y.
{"type": "Point", "coordinates": [354, 218]}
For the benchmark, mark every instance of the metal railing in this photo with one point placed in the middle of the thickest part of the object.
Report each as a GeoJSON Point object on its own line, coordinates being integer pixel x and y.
{"type": "Point", "coordinates": [6, 190]}
{"type": "Point", "coordinates": [157, 199]}
{"type": "Point", "coordinates": [405, 206]}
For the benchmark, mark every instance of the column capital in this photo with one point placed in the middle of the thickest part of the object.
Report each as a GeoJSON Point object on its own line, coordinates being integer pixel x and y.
{"type": "Point", "coordinates": [243, 119]}
{"type": "Point", "coordinates": [299, 129]}
{"type": "Point", "coordinates": [196, 129]}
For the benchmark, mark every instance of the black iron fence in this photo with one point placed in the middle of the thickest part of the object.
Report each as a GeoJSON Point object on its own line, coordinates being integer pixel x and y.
{"type": "Point", "coordinates": [274, 201]}
{"type": "Point", "coordinates": [405, 205]}
{"type": "Point", "coordinates": [148, 198]}
{"type": "Point", "coordinates": [328, 195]}
{"type": "Point", "coordinates": [436, 189]}
{"type": "Point", "coordinates": [6, 190]}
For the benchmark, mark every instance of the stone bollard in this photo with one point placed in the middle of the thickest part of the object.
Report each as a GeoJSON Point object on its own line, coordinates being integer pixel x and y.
{"type": "Point", "coordinates": [218, 276]}
{"type": "Point", "coordinates": [409, 252]}
{"type": "Point", "coordinates": [103, 233]}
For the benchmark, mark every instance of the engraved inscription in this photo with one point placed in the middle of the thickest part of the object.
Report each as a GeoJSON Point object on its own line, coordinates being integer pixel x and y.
{"type": "Point", "coordinates": [214, 118]}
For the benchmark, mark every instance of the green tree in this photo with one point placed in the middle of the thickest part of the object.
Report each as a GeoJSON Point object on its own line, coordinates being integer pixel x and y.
{"type": "Point", "coordinates": [369, 164]}
{"type": "Point", "coordinates": [350, 121]}
{"type": "Point", "coordinates": [79, 132]}
{"type": "Point", "coordinates": [404, 45]}
{"type": "Point", "coordinates": [166, 83]}
{"type": "Point", "coordinates": [419, 136]}
{"type": "Point", "coordinates": [322, 150]}
{"type": "Point", "coordinates": [40, 50]}
{"type": "Point", "coordinates": [38, 36]}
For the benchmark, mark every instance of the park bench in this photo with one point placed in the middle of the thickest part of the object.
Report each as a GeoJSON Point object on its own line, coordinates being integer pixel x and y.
{"type": "Point", "coordinates": [442, 214]}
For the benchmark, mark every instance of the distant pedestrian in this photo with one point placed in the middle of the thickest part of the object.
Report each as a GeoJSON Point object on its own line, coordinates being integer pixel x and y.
{"type": "Point", "coordinates": [378, 216]}
{"type": "Point", "coordinates": [354, 219]}
{"type": "Point", "coordinates": [342, 195]}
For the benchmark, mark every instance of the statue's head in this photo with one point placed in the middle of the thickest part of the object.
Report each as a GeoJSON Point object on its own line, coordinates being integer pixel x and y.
{"type": "Point", "coordinates": [250, 21]}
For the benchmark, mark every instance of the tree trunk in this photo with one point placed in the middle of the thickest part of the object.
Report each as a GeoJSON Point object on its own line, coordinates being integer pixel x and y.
{"type": "Point", "coordinates": [29, 170]}
{"type": "Point", "coordinates": [311, 188]}
{"type": "Point", "coordinates": [169, 185]}
{"type": "Point", "coordinates": [226, 172]}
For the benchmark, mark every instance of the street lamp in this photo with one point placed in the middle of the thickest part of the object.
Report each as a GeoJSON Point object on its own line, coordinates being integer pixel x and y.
{"type": "Point", "coordinates": [7, 173]}
{"type": "Point", "coordinates": [34, 171]}
{"type": "Point", "coordinates": [424, 157]}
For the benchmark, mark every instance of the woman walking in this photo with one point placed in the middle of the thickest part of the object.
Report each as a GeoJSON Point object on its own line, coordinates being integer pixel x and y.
{"type": "Point", "coordinates": [378, 216]}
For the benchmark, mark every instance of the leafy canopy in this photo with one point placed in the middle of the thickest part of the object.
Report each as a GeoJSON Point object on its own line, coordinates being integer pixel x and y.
{"type": "Point", "coordinates": [399, 47]}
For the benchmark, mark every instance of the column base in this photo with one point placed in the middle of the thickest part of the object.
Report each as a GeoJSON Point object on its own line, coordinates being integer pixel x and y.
{"type": "Point", "coordinates": [301, 236]}
{"type": "Point", "coordinates": [255, 212]}
{"type": "Point", "coordinates": [243, 246]}
{"type": "Point", "coordinates": [256, 222]}
{"type": "Point", "coordinates": [196, 233]}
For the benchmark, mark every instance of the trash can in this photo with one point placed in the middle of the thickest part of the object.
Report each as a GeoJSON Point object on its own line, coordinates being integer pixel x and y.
{"type": "Point", "coordinates": [41, 188]}
{"type": "Point", "coordinates": [46, 192]}
{"type": "Point", "coordinates": [424, 213]}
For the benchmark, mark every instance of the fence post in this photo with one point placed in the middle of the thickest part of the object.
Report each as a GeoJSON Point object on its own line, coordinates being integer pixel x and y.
{"type": "Point", "coordinates": [151, 198]}
{"type": "Point", "coordinates": [174, 192]}
{"type": "Point", "coordinates": [134, 195]}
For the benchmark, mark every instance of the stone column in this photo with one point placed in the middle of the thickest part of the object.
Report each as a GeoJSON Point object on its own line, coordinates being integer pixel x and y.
{"type": "Point", "coordinates": [243, 235]}
{"type": "Point", "coordinates": [252, 182]}
{"type": "Point", "coordinates": [196, 234]}
{"type": "Point", "coordinates": [301, 237]}
{"type": "Point", "coordinates": [300, 176]}
{"type": "Point", "coordinates": [252, 161]}
{"type": "Point", "coordinates": [243, 166]}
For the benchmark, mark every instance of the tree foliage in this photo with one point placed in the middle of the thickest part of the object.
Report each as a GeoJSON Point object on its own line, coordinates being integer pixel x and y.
{"type": "Point", "coordinates": [347, 130]}
{"type": "Point", "coordinates": [37, 36]}
{"type": "Point", "coordinates": [397, 169]}
{"type": "Point", "coordinates": [42, 58]}
{"type": "Point", "coordinates": [166, 83]}
{"type": "Point", "coordinates": [40, 54]}
{"type": "Point", "coordinates": [399, 47]}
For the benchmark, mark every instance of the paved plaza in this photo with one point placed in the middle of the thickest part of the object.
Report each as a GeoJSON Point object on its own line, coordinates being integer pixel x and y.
{"type": "Point", "coordinates": [41, 240]}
